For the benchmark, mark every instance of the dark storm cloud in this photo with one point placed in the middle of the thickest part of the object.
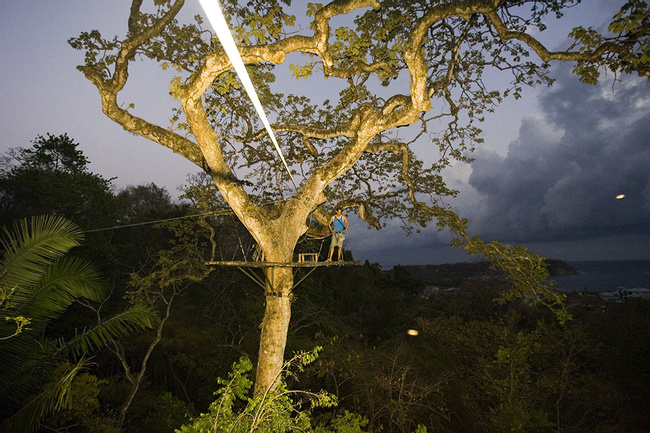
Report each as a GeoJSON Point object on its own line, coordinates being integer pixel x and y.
{"type": "Point", "coordinates": [561, 176]}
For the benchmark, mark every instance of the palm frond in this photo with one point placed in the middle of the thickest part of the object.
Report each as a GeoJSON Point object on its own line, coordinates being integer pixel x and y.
{"type": "Point", "coordinates": [138, 317]}
{"type": "Point", "coordinates": [26, 365]}
{"type": "Point", "coordinates": [64, 281]}
{"type": "Point", "coordinates": [31, 245]}
{"type": "Point", "coordinates": [68, 279]}
{"type": "Point", "coordinates": [78, 275]}
{"type": "Point", "coordinates": [54, 396]}
{"type": "Point", "coordinates": [42, 285]}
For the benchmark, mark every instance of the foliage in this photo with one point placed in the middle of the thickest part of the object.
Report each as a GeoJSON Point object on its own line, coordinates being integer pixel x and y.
{"type": "Point", "coordinates": [147, 203]}
{"type": "Point", "coordinates": [527, 270]}
{"type": "Point", "coordinates": [447, 48]}
{"type": "Point", "coordinates": [279, 410]}
{"type": "Point", "coordinates": [54, 396]}
{"type": "Point", "coordinates": [52, 177]}
{"type": "Point", "coordinates": [175, 269]}
{"type": "Point", "coordinates": [476, 365]}
{"type": "Point", "coordinates": [37, 281]}
{"type": "Point", "coordinates": [82, 414]}
{"type": "Point", "coordinates": [52, 154]}
{"type": "Point", "coordinates": [42, 282]}
{"type": "Point", "coordinates": [140, 236]}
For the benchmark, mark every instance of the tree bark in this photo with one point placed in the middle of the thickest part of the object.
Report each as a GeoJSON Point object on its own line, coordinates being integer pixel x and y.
{"type": "Point", "coordinates": [274, 329]}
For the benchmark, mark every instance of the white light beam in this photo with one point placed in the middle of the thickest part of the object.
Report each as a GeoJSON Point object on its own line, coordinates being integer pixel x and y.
{"type": "Point", "coordinates": [220, 26]}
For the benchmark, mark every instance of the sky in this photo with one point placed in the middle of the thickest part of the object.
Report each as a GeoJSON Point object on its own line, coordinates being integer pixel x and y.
{"type": "Point", "coordinates": [547, 176]}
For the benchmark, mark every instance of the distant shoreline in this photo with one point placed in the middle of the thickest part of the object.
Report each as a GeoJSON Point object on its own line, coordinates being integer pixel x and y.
{"type": "Point", "coordinates": [605, 275]}
{"type": "Point", "coordinates": [585, 275]}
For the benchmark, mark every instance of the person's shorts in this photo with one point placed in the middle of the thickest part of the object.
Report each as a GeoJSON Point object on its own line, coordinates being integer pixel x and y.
{"type": "Point", "coordinates": [337, 240]}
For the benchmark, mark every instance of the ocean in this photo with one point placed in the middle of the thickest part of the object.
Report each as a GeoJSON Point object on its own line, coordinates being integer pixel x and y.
{"type": "Point", "coordinates": [601, 276]}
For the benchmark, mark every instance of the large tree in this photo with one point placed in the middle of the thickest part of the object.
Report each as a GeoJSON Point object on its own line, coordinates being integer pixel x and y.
{"type": "Point", "coordinates": [395, 63]}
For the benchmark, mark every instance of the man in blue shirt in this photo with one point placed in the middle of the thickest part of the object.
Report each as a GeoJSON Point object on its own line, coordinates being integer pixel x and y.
{"type": "Point", "coordinates": [339, 224]}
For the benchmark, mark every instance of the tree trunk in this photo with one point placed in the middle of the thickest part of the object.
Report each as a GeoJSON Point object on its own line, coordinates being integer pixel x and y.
{"type": "Point", "coordinates": [274, 329]}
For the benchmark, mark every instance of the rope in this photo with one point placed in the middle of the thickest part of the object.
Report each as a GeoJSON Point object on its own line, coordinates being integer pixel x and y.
{"type": "Point", "coordinates": [315, 235]}
{"type": "Point", "coordinates": [241, 245]}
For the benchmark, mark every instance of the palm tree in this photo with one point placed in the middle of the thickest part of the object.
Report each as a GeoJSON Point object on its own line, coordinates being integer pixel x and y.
{"type": "Point", "coordinates": [39, 280]}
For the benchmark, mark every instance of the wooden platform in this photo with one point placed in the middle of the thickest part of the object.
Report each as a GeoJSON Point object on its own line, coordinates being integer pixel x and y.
{"type": "Point", "coordinates": [310, 264]}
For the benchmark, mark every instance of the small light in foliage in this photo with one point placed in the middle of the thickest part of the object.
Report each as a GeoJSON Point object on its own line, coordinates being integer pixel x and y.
{"type": "Point", "coordinates": [412, 332]}
{"type": "Point", "coordinates": [620, 196]}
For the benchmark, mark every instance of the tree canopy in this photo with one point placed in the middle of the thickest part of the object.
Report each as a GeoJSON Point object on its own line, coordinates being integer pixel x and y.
{"type": "Point", "coordinates": [422, 64]}
{"type": "Point", "coordinates": [441, 50]}
{"type": "Point", "coordinates": [52, 177]}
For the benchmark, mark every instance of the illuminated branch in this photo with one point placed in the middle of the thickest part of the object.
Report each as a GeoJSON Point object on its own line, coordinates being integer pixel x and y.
{"type": "Point", "coordinates": [110, 87]}
{"type": "Point", "coordinates": [347, 130]}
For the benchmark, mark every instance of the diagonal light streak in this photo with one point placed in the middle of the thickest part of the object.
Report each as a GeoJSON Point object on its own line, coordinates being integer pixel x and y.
{"type": "Point", "coordinates": [220, 26]}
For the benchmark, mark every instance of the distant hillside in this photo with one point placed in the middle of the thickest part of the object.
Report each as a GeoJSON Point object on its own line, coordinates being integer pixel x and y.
{"type": "Point", "coordinates": [559, 268]}
{"type": "Point", "coordinates": [450, 275]}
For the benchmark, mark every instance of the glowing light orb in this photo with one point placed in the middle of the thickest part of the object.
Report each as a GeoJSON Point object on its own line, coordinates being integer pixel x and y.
{"type": "Point", "coordinates": [620, 196]}
{"type": "Point", "coordinates": [412, 332]}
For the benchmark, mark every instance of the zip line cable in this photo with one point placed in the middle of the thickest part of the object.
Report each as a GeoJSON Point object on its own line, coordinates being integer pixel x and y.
{"type": "Point", "coordinates": [313, 235]}
{"type": "Point", "coordinates": [220, 26]}
{"type": "Point", "coordinates": [308, 234]}
{"type": "Point", "coordinates": [214, 213]}
{"type": "Point", "coordinates": [221, 212]}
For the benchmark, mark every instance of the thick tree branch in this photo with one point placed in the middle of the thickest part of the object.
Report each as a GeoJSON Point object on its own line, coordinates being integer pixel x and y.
{"type": "Point", "coordinates": [110, 87]}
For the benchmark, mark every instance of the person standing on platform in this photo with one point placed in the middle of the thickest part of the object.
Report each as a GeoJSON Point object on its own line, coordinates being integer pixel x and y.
{"type": "Point", "coordinates": [339, 224]}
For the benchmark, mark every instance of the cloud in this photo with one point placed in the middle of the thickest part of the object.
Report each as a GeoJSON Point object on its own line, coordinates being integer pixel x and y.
{"type": "Point", "coordinates": [555, 191]}
{"type": "Point", "coordinates": [560, 177]}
